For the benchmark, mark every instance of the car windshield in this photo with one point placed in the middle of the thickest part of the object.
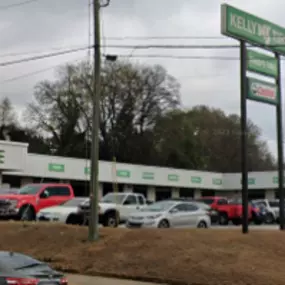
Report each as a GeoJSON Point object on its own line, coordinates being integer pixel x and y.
{"type": "Point", "coordinates": [259, 203]}
{"type": "Point", "coordinates": [235, 202]}
{"type": "Point", "coordinates": [159, 206]}
{"type": "Point", "coordinates": [113, 198]}
{"type": "Point", "coordinates": [206, 201]}
{"type": "Point", "coordinates": [29, 189]}
{"type": "Point", "coordinates": [274, 204]}
{"type": "Point", "coordinates": [73, 202]}
{"type": "Point", "coordinates": [18, 261]}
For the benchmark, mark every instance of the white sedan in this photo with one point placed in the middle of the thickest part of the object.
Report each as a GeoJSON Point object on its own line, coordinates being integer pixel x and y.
{"type": "Point", "coordinates": [170, 214]}
{"type": "Point", "coordinates": [65, 213]}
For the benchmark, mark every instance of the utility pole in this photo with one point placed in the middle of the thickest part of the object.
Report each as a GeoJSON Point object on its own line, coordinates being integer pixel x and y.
{"type": "Point", "coordinates": [94, 171]}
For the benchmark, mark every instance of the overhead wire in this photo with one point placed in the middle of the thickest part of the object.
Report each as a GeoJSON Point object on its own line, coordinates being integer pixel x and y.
{"type": "Point", "coordinates": [49, 55]}
{"type": "Point", "coordinates": [9, 6]}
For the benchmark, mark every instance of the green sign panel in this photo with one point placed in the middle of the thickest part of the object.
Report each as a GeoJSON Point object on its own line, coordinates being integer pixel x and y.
{"type": "Point", "coordinates": [148, 175]}
{"type": "Point", "coordinates": [173, 177]}
{"type": "Point", "coordinates": [124, 173]}
{"type": "Point", "coordinates": [262, 91]}
{"type": "Point", "coordinates": [275, 179]}
{"type": "Point", "coordinates": [2, 156]}
{"type": "Point", "coordinates": [196, 179]}
{"type": "Point", "coordinates": [261, 63]}
{"type": "Point", "coordinates": [54, 167]}
{"type": "Point", "coordinates": [217, 181]}
{"type": "Point", "coordinates": [251, 181]}
{"type": "Point", "coordinates": [244, 26]}
{"type": "Point", "coordinates": [87, 170]}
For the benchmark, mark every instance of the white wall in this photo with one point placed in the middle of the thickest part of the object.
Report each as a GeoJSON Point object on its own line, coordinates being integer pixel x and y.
{"type": "Point", "coordinates": [13, 156]}
{"type": "Point", "coordinates": [18, 162]}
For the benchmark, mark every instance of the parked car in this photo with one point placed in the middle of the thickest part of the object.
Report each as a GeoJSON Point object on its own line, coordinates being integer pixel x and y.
{"type": "Point", "coordinates": [229, 210]}
{"type": "Point", "coordinates": [30, 199]}
{"type": "Point", "coordinates": [20, 269]}
{"type": "Point", "coordinates": [114, 208]}
{"type": "Point", "coordinates": [64, 213]}
{"type": "Point", "coordinates": [272, 207]}
{"type": "Point", "coordinates": [170, 214]}
{"type": "Point", "coordinates": [259, 213]}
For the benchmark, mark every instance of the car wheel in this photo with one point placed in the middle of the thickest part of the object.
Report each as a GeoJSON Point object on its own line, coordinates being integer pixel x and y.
{"type": "Point", "coordinates": [74, 220]}
{"type": "Point", "coordinates": [236, 222]}
{"type": "Point", "coordinates": [223, 219]}
{"type": "Point", "coordinates": [110, 220]}
{"type": "Point", "coordinates": [27, 214]}
{"type": "Point", "coordinates": [163, 224]}
{"type": "Point", "coordinates": [202, 225]}
{"type": "Point", "coordinates": [269, 219]}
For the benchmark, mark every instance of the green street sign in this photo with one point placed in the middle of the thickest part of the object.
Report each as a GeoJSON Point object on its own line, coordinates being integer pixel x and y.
{"type": "Point", "coordinates": [262, 91]}
{"type": "Point", "coordinates": [244, 26]}
{"type": "Point", "coordinates": [87, 170]}
{"type": "Point", "coordinates": [54, 167]}
{"type": "Point", "coordinates": [124, 173]}
{"type": "Point", "coordinates": [148, 175]}
{"type": "Point", "coordinates": [217, 181]}
{"type": "Point", "coordinates": [196, 179]}
{"type": "Point", "coordinates": [2, 156]}
{"type": "Point", "coordinates": [173, 177]}
{"type": "Point", "coordinates": [261, 63]}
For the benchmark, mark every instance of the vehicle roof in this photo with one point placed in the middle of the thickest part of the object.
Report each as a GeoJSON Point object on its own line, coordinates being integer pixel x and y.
{"type": "Point", "coordinates": [213, 197]}
{"type": "Point", "coordinates": [124, 193]}
{"type": "Point", "coordinates": [48, 184]}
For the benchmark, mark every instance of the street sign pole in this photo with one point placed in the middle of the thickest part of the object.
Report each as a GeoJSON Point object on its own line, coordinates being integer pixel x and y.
{"type": "Point", "coordinates": [243, 136]}
{"type": "Point", "coordinates": [280, 149]}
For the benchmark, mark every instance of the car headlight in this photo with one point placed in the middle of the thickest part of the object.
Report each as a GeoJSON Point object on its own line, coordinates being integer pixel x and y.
{"type": "Point", "coordinates": [13, 203]}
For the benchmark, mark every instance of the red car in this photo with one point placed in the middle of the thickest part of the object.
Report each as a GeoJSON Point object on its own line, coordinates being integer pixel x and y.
{"type": "Point", "coordinates": [229, 210]}
{"type": "Point", "coordinates": [28, 200]}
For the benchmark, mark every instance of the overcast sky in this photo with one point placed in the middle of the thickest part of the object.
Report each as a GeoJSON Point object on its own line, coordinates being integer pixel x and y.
{"type": "Point", "coordinates": [49, 25]}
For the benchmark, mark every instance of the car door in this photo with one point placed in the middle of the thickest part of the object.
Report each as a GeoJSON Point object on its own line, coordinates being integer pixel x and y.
{"type": "Point", "coordinates": [192, 214]}
{"type": "Point", "coordinates": [129, 205]}
{"type": "Point", "coordinates": [47, 198]}
{"type": "Point", "coordinates": [177, 215]}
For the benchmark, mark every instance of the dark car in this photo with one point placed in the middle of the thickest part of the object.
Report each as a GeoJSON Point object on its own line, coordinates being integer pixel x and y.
{"type": "Point", "coordinates": [20, 269]}
{"type": "Point", "coordinates": [259, 213]}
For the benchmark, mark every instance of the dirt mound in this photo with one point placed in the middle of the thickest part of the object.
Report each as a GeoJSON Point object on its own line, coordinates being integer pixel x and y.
{"type": "Point", "coordinates": [204, 257]}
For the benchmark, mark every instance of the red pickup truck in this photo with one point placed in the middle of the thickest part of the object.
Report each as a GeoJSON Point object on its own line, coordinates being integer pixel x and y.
{"type": "Point", "coordinates": [228, 210]}
{"type": "Point", "coordinates": [28, 200]}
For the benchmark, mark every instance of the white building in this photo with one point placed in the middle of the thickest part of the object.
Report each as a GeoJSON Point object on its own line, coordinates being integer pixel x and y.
{"type": "Point", "coordinates": [18, 167]}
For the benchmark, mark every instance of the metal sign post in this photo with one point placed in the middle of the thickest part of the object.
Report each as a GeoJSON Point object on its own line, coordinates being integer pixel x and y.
{"type": "Point", "coordinates": [280, 149]}
{"type": "Point", "coordinates": [243, 135]}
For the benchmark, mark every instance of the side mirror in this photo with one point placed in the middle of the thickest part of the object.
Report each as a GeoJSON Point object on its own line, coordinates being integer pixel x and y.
{"type": "Point", "coordinates": [174, 211]}
{"type": "Point", "coordinates": [44, 195]}
{"type": "Point", "coordinates": [127, 202]}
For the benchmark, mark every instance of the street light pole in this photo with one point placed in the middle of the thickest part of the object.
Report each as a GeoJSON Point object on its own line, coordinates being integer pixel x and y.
{"type": "Point", "coordinates": [94, 171]}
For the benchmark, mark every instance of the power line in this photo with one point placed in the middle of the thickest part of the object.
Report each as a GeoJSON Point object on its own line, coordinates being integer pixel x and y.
{"type": "Point", "coordinates": [6, 7]}
{"type": "Point", "coordinates": [15, 78]}
{"type": "Point", "coordinates": [166, 38]}
{"type": "Point", "coordinates": [145, 47]}
{"type": "Point", "coordinates": [12, 62]}
{"type": "Point", "coordinates": [34, 52]}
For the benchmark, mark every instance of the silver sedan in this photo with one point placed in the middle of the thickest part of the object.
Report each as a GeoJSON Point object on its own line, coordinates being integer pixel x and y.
{"type": "Point", "coordinates": [170, 214]}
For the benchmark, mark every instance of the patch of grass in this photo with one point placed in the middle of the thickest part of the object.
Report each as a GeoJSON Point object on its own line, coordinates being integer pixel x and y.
{"type": "Point", "coordinates": [205, 257]}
